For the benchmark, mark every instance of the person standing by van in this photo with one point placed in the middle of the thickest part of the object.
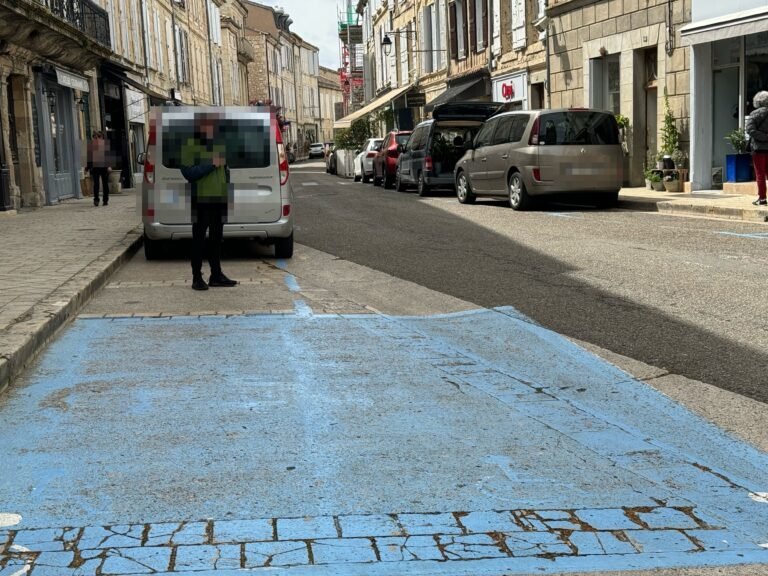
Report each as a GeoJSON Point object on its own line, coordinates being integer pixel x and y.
{"type": "Point", "coordinates": [203, 165]}
{"type": "Point", "coordinates": [756, 128]}
{"type": "Point", "coordinates": [98, 164]}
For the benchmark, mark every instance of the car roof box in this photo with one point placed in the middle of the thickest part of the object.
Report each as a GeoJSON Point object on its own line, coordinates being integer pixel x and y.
{"type": "Point", "coordinates": [478, 111]}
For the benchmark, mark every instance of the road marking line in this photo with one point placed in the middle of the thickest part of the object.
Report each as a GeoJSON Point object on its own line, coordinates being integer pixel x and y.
{"type": "Point", "coordinates": [309, 183]}
{"type": "Point", "coordinates": [563, 215]}
{"type": "Point", "coordinates": [761, 497]}
{"type": "Point", "coordinates": [8, 519]}
{"type": "Point", "coordinates": [755, 235]}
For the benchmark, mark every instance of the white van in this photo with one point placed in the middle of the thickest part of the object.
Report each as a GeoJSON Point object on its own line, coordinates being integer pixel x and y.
{"type": "Point", "coordinates": [260, 194]}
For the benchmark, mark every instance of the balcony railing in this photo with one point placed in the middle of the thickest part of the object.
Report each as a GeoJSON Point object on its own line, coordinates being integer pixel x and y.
{"type": "Point", "coordinates": [245, 50]}
{"type": "Point", "coordinates": [85, 15]}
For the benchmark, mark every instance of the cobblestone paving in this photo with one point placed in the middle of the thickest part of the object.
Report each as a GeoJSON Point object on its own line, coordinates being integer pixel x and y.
{"type": "Point", "coordinates": [338, 540]}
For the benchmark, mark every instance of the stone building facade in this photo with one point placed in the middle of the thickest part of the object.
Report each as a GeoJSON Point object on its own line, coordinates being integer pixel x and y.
{"type": "Point", "coordinates": [623, 56]}
{"type": "Point", "coordinates": [68, 69]}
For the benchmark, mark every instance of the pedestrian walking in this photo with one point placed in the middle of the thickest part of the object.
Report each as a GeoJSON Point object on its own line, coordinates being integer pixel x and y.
{"type": "Point", "coordinates": [203, 165]}
{"type": "Point", "coordinates": [756, 128]}
{"type": "Point", "coordinates": [99, 166]}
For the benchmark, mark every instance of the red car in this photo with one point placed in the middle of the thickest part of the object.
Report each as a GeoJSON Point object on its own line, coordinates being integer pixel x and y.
{"type": "Point", "coordinates": [385, 161]}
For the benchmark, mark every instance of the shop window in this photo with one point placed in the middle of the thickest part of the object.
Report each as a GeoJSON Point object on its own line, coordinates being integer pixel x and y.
{"type": "Point", "coordinates": [756, 48]}
{"type": "Point", "coordinates": [726, 52]}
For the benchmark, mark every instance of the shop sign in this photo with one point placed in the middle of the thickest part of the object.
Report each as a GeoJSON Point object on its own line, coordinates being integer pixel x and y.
{"type": "Point", "coordinates": [415, 99]}
{"type": "Point", "coordinates": [510, 88]}
{"type": "Point", "coordinates": [70, 80]}
{"type": "Point", "coordinates": [136, 106]}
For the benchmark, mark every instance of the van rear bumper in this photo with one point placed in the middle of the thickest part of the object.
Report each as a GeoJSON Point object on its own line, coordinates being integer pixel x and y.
{"type": "Point", "coordinates": [265, 232]}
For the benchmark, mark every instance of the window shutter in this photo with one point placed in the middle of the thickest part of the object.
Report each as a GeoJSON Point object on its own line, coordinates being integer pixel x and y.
{"type": "Point", "coordinates": [484, 36]}
{"type": "Point", "coordinates": [453, 31]}
{"type": "Point", "coordinates": [434, 26]}
{"type": "Point", "coordinates": [404, 71]}
{"type": "Point", "coordinates": [441, 56]}
{"type": "Point", "coordinates": [463, 36]}
{"type": "Point", "coordinates": [470, 8]}
{"type": "Point", "coordinates": [496, 46]}
{"type": "Point", "coordinates": [518, 24]}
{"type": "Point", "coordinates": [597, 83]}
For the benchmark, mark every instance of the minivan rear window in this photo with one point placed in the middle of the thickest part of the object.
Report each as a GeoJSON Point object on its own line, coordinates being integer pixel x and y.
{"type": "Point", "coordinates": [402, 138]}
{"type": "Point", "coordinates": [577, 128]}
{"type": "Point", "coordinates": [247, 141]}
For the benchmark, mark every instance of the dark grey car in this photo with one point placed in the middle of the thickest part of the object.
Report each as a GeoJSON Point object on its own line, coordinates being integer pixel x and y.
{"type": "Point", "coordinates": [522, 155]}
{"type": "Point", "coordinates": [428, 159]}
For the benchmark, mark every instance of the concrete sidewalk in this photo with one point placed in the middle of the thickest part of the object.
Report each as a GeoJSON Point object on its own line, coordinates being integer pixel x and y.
{"type": "Point", "coordinates": [710, 203]}
{"type": "Point", "coordinates": [52, 260]}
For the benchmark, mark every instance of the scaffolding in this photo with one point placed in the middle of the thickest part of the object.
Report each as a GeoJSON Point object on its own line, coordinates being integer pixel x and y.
{"type": "Point", "coordinates": [352, 56]}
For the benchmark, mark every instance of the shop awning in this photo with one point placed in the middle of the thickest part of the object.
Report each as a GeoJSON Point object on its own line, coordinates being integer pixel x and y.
{"type": "Point", "coordinates": [732, 25]}
{"type": "Point", "coordinates": [458, 90]}
{"type": "Point", "coordinates": [346, 122]}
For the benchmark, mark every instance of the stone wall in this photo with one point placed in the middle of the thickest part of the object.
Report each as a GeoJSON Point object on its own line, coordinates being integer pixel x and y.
{"type": "Point", "coordinates": [258, 84]}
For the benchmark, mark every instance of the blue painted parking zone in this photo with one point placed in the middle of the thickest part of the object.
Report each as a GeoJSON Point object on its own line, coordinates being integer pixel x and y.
{"type": "Point", "coordinates": [471, 443]}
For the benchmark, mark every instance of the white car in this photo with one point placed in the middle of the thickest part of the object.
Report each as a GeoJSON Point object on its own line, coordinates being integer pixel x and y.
{"type": "Point", "coordinates": [364, 160]}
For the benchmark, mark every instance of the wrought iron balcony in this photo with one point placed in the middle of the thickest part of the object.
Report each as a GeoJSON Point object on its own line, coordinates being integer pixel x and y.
{"type": "Point", "coordinates": [85, 15]}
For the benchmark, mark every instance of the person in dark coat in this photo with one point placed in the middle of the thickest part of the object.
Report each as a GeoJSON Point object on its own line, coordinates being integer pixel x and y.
{"type": "Point", "coordinates": [756, 128]}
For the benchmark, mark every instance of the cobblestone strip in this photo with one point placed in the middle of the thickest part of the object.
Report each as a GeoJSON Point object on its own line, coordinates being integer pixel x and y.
{"type": "Point", "coordinates": [272, 542]}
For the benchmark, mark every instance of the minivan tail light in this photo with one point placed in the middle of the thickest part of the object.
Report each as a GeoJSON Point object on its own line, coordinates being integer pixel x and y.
{"type": "Point", "coordinates": [286, 209]}
{"type": "Point", "coordinates": [537, 174]}
{"type": "Point", "coordinates": [149, 165]}
{"type": "Point", "coordinates": [428, 163]}
{"type": "Point", "coordinates": [282, 157]}
{"type": "Point", "coordinates": [534, 139]}
{"type": "Point", "coordinates": [371, 155]}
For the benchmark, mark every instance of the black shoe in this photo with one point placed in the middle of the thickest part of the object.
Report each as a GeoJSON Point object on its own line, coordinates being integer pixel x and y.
{"type": "Point", "coordinates": [95, 202]}
{"type": "Point", "coordinates": [221, 281]}
{"type": "Point", "coordinates": [760, 202]}
{"type": "Point", "coordinates": [105, 204]}
{"type": "Point", "coordinates": [199, 284]}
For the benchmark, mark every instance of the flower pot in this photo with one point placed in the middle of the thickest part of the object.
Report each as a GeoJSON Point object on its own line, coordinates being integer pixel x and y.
{"type": "Point", "coordinates": [738, 167]}
{"type": "Point", "coordinates": [658, 186]}
{"type": "Point", "coordinates": [672, 185]}
{"type": "Point", "coordinates": [648, 184]}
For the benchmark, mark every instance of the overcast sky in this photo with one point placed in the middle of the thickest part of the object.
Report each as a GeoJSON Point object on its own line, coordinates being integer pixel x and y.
{"type": "Point", "coordinates": [316, 22]}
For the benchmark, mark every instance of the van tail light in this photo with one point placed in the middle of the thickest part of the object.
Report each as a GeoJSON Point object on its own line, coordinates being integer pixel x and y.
{"type": "Point", "coordinates": [149, 165]}
{"type": "Point", "coordinates": [537, 174]}
{"type": "Point", "coordinates": [282, 157]}
{"type": "Point", "coordinates": [428, 163]}
{"type": "Point", "coordinates": [393, 152]}
{"type": "Point", "coordinates": [286, 210]}
{"type": "Point", "coordinates": [534, 139]}
{"type": "Point", "coordinates": [371, 155]}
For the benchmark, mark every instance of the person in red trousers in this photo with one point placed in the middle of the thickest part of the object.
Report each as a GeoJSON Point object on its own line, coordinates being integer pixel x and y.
{"type": "Point", "coordinates": [756, 128]}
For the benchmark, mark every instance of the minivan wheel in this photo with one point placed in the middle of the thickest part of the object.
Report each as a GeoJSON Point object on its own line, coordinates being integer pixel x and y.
{"type": "Point", "coordinates": [518, 195]}
{"type": "Point", "coordinates": [463, 190]}
{"type": "Point", "coordinates": [366, 179]}
{"type": "Point", "coordinates": [399, 186]}
{"type": "Point", "coordinates": [421, 187]}
{"type": "Point", "coordinates": [388, 180]}
{"type": "Point", "coordinates": [284, 247]}
{"type": "Point", "coordinates": [152, 249]}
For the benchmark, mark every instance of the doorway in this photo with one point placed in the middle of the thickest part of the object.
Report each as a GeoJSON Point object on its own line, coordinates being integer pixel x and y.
{"type": "Point", "coordinates": [60, 165]}
{"type": "Point", "coordinates": [725, 113]}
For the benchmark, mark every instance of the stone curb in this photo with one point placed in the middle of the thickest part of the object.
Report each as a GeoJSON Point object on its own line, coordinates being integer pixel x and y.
{"type": "Point", "coordinates": [745, 214]}
{"type": "Point", "coordinates": [44, 319]}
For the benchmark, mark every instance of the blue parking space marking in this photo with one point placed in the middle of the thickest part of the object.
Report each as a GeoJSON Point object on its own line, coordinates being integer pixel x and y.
{"type": "Point", "coordinates": [564, 215]}
{"type": "Point", "coordinates": [753, 235]}
{"type": "Point", "coordinates": [317, 444]}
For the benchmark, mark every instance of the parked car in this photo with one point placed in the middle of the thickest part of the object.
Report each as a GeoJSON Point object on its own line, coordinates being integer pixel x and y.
{"type": "Point", "coordinates": [526, 155]}
{"type": "Point", "coordinates": [429, 157]}
{"type": "Point", "coordinates": [385, 161]}
{"type": "Point", "coordinates": [330, 161]}
{"type": "Point", "coordinates": [364, 160]}
{"type": "Point", "coordinates": [254, 154]}
{"type": "Point", "coordinates": [316, 150]}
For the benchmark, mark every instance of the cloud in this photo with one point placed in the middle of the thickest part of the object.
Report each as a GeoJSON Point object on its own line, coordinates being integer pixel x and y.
{"type": "Point", "coordinates": [317, 22]}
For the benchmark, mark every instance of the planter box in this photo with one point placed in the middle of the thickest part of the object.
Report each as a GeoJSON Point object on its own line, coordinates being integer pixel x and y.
{"type": "Point", "coordinates": [672, 185]}
{"type": "Point", "coordinates": [738, 167]}
{"type": "Point", "coordinates": [658, 186]}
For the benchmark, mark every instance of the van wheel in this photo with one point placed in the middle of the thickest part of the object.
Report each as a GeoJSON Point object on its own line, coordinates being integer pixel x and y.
{"type": "Point", "coordinates": [284, 247]}
{"type": "Point", "coordinates": [421, 187]}
{"type": "Point", "coordinates": [399, 186]}
{"type": "Point", "coordinates": [357, 178]}
{"type": "Point", "coordinates": [152, 249]}
{"type": "Point", "coordinates": [464, 190]}
{"type": "Point", "coordinates": [518, 195]}
{"type": "Point", "coordinates": [366, 179]}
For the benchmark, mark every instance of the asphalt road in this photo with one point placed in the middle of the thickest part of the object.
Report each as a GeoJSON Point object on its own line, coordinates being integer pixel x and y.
{"type": "Point", "coordinates": [683, 294]}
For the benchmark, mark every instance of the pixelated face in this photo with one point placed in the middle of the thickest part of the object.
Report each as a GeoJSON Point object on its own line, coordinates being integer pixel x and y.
{"type": "Point", "coordinates": [207, 126]}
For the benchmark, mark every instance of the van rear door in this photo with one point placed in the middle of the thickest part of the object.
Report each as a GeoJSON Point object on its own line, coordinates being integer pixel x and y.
{"type": "Point", "coordinates": [254, 170]}
{"type": "Point", "coordinates": [579, 150]}
{"type": "Point", "coordinates": [251, 150]}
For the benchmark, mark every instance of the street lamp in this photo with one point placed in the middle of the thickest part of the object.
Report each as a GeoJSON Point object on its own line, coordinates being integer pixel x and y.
{"type": "Point", "coordinates": [386, 44]}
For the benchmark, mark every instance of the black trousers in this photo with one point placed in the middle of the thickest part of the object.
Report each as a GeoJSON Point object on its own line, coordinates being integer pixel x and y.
{"type": "Point", "coordinates": [208, 216]}
{"type": "Point", "coordinates": [100, 175]}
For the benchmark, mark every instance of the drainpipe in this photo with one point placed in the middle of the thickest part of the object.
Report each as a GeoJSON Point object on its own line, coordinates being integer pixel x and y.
{"type": "Point", "coordinates": [489, 41]}
{"type": "Point", "coordinates": [175, 47]}
{"type": "Point", "coordinates": [144, 40]}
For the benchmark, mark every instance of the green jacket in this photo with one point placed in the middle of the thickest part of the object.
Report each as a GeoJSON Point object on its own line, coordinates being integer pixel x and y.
{"type": "Point", "coordinates": [209, 183]}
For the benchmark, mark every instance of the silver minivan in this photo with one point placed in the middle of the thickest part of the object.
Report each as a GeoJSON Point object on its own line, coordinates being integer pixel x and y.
{"type": "Point", "coordinates": [527, 154]}
{"type": "Point", "coordinates": [260, 195]}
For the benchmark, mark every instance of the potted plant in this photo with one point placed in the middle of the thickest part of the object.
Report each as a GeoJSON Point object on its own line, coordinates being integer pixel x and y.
{"type": "Point", "coordinates": [655, 178]}
{"type": "Point", "coordinates": [738, 166]}
{"type": "Point", "coordinates": [672, 181]}
{"type": "Point", "coordinates": [670, 135]}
